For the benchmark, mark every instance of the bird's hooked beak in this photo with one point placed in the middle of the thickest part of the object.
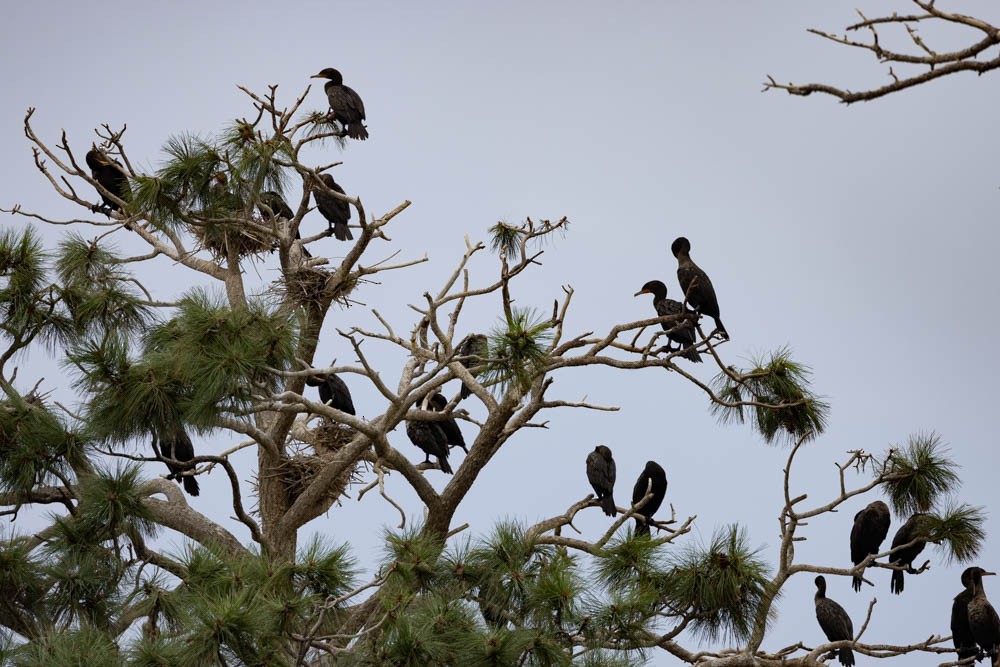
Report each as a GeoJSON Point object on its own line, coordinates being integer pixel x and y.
{"type": "Point", "coordinates": [988, 573]}
{"type": "Point", "coordinates": [317, 76]}
{"type": "Point", "coordinates": [643, 291]}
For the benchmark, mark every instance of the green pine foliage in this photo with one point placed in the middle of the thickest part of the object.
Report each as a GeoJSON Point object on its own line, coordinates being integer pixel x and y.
{"type": "Point", "coordinates": [918, 475]}
{"type": "Point", "coordinates": [518, 351]}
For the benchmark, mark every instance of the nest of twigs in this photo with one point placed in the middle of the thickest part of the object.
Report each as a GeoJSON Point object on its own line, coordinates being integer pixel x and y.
{"type": "Point", "coordinates": [221, 237]}
{"type": "Point", "coordinates": [302, 466]}
{"type": "Point", "coordinates": [307, 285]}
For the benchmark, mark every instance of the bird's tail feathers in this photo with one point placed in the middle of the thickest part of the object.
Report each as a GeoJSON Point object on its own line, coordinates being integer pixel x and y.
{"type": "Point", "coordinates": [846, 657]}
{"type": "Point", "coordinates": [641, 527]}
{"type": "Point", "coordinates": [722, 330]}
{"type": "Point", "coordinates": [190, 485]}
{"type": "Point", "coordinates": [342, 232]}
{"type": "Point", "coordinates": [357, 131]}
{"type": "Point", "coordinates": [608, 505]}
{"type": "Point", "coordinates": [856, 583]}
{"type": "Point", "coordinates": [691, 354]}
{"type": "Point", "coordinates": [896, 584]}
{"type": "Point", "coordinates": [445, 467]}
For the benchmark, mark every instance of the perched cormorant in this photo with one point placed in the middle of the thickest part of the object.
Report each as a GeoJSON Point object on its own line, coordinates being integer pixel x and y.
{"type": "Point", "coordinates": [333, 391]}
{"type": "Point", "coordinates": [834, 621]}
{"type": "Point", "coordinates": [601, 475]}
{"type": "Point", "coordinates": [908, 532]}
{"type": "Point", "coordinates": [983, 620]}
{"type": "Point", "coordinates": [336, 211]}
{"type": "Point", "coordinates": [345, 104]}
{"type": "Point", "coordinates": [683, 331]}
{"type": "Point", "coordinates": [177, 445]}
{"type": "Point", "coordinates": [475, 348]}
{"type": "Point", "coordinates": [654, 473]}
{"type": "Point", "coordinates": [698, 290]}
{"type": "Point", "coordinates": [452, 433]}
{"type": "Point", "coordinates": [430, 437]}
{"type": "Point", "coordinates": [961, 634]}
{"type": "Point", "coordinates": [111, 176]}
{"type": "Point", "coordinates": [279, 209]}
{"type": "Point", "coordinates": [871, 525]}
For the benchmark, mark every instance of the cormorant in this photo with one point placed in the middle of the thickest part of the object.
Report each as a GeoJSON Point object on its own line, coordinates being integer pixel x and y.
{"type": "Point", "coordinates": [683, 331]}
{"type": "Point", "coordinates": [983, 620]}
{"type": "Point", "coordinates": [345, 104]}
{"type": "Point", "coordinates": [654, 473]}
{"type": "Point", "coordinates": [333, 391]}
{"type": "Point", "coordinates": [452, 433]}
{"type": "Point", "coordinates": [698, 290]}
{"type": "Point", "coordinates": [834, 621]}
{"type": "Point", "coordinates": [907, 533]}
{"type": "Point", "coordinates": [177, 445]}
{"type": "Point", "coordinates": [601, 475]}
{"type": "Point", "coordinates": [430, 437]}
{"type": "Point", "coordinates": [961, 634]}
{"type": "Point", "coordinates": [871, 525]}
{"type": "Point", "coordinates": [110, 174]}
{"type": "Point", "coordinates": [336, 211]}
{"type": "Point", "coordinates": [280, 210]}
{"type": "Point", "coordinates": [474, 347]}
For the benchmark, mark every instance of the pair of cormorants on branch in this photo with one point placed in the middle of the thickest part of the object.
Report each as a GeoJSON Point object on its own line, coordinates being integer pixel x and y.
{"type": "Point", "coordinates": [601, 473]}
{"type": "Point", "coordinates": [871, 526]}
{"type": "Point", "coordinates": [974, 620]}
{"type": "Point", "coordinates": [438, 436]}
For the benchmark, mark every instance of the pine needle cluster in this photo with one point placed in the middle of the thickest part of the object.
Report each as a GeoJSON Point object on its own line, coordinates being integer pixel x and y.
{"type": "Point", "coordinates": [518, 350]}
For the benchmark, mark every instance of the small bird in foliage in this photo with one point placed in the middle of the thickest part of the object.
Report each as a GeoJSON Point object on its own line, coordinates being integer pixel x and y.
{"type": "Point", "coordinates": [983, 620]}
{"type": "Point", "coordinates": [601, 475]}
{"type": "Point", "coordinates": [695, 284]}
{"type": "Point", "coordinates": [834, 621]}
{"type": "Point", "coordinates": [871, 525]}
{"type": "Point", "coordinates": [654, 478]}
{"type": "Point", "coordinates": [961, 633]}
{"type": "Point", "coordinates": [176, 445]}
{"type": "Point", "coordinates": [431, 438]}
{"type": "Point", "coordinates": [333, 391]}
{"type": "Point", "coordinates": [345, 104]}
{"type": "Point", "coordinates": [452, 433]}
{"type": "Point", "coordinates": [336, 211]}
{"type": "Point", "coordinates": [680, 331]}
{"type": "Point", "coordinates": [110, 174]}
{"type": "Point", "coordinates": [911, 531]}
{"type": "Point", "coordinates": [473, 349]}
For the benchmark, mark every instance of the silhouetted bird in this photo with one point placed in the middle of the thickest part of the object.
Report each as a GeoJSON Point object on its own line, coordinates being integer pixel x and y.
{"type": "Point", "coordinates": [654, 474]}
{"type": "Point", "coordinates": [681, 331]}
{"type": "Point", "coordinates": [430, 437]}
{"type": "Point", "coordinates": [912, 530]}
{"type": "Point", "coordinates": [336, 211]}
{"type": "Point", "coordinates": [333, 391]}
{"type": "Point", "coordinates": [697, 288]}
{"type": "Point", "coordinates": [474, 348]}
{"type": "Point", "coordinates": [871, 525]}
{"type": "Point", "coordinates": [176, 445]}
{"type": "Point", "coordinates": [983, 620]}
{"type": "Point", "coordinates": [834, 621]}
{"type": "Point", "coordinates": [279, 209]}
{"type": "Point", "coordinates": [111, 176]}
{"type": "Point", "coordinates": [961, 634]}
{"type": "Point", "coordinates": [601, 475]}
{"type": "Point", "coordinates": [345, 104]}
{"type": "Point", "coordinates": [452, 433]}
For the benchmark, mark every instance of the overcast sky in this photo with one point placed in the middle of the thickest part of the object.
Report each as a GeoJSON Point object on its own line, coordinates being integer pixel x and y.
{"type": "Point", "coordinates": [864, 237]}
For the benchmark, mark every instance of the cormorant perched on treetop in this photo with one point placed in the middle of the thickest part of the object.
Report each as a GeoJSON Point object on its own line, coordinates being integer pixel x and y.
{"type": "Point", "coordinates": [871, 525]}
{"type": "Point", "coordinates": [430, 437]}
{"type": "Point", "coordinates": [834, 621]}
{"type": "Point", "coordinates": [176, 445]}
{"type": "Point", "coordinates": [336, 211]}
{"type": "Point", "coordinates": [654, 473]}
{"type": "Point", "coordinates": [983, 620]}
{"type": "Point", "coordinates": [333, 391]}
{"type": "Point", "coordinates": [345, 104]}
{"type": "Point", "coordinates": [452, 433]}
{"type": "Point", "coordinates": [697, 288]}
{"type": "Point", "coordinates": [912, 530]}
{"type": "Point", "coordinates": [683, 331]}
{"type": "Point", "coordinates": [601, 475]}
{"type": "Point", "coordinates": [111, 176]}
{"type": "Point", "coordinates": [961, 634]}
{"type": "Point", "coordinates": [475, 348]}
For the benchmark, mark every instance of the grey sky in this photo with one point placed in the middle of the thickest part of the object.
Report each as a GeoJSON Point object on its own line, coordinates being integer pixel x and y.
{"type": "Point", "coordinates": [864, 237]}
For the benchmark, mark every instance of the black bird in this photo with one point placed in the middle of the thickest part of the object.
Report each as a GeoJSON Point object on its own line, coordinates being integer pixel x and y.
{"type": "Point", "coordinates": [430, 437]}
{"type": "Point", "coordinates": [110, 174]}
{"type": "Point", "coordinates": [983, 620]}
{"type": "Point", "coordinates": [834, 621]}
{"type": "Point", "coordinates": [601, 475]}
{"type": "Point", "coordinates": [961, 633]}
{"type": "Point", "coordinates": [333, 391]}
{"type": "Point", "coordinates": [452, 433]}
{"type": "Point", "coordinates": [475, 348]}
{"type": "Point", "coordinates": [336, 211]}
{"type": "Point", "coordinates": [698, 290]}
{"type": "Point", "coordinates": [683, 331]}
{"type": "Point", "coordinates": [912, 530]}
{"type": "Point", "coordinates": [871, 525]}
{"type": "Point", "coordinates": [177, 445]}
{"type": "Point", "coordinates": [345, 104]}
{"type": "Point", "coordinates": [279, 209]}
{"type": "Point", "coordinates": [654, 473]}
